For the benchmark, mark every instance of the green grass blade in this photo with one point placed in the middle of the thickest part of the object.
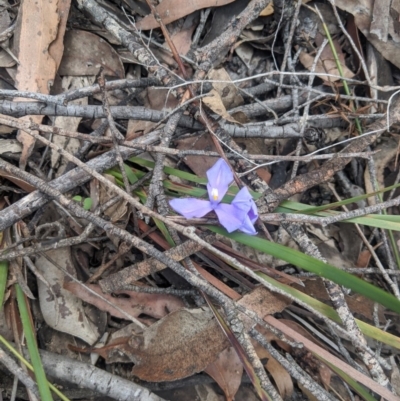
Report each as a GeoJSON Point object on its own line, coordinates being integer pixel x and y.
{"type": "Point", "coordinates": [43, 385]}
{"type": "Point", "coordinates": [3, 280]}
{"type": "Point", "coordinates": [357, 387]}
{"type": "Point", "coordinates": [330, 313]}
{"type": "Point", "coordinates": [29, 366]}
{"type": "Point", "coordinates": [315, 266]}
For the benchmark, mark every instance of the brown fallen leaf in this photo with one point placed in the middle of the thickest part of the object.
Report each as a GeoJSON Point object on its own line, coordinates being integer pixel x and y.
{"type": "Point", "coordinates": [169, 12]}
{"type": "Point", "coordinates": [86, 52]}
{"type": "Point", "coordinates": [326, 63]}
{"type": "Point", "coordinates": [227, 371]}
{"type": "Point", "coordinates": [281, 377]}
{"type": "Point", "coordinates": [101, 194]}
{"type": "Point", "coordinates": [362, 10]}
{"type": "Point", "coordinates": [215, 103]}
{"type": "Point", "coordinates": [182, 40]}
{"type": "Point", "coordinates": [137, 303]}
{"type": "Point", "coordinates": [66, 313]}
{"type": "Point", "coordinates": [264, 302]}
{"type": "Point", "coordinates": [38, 45]}
{"type": "Point", "coordinates": [183, 343]}
{"type": "Point", "coordinates": [18, 181]}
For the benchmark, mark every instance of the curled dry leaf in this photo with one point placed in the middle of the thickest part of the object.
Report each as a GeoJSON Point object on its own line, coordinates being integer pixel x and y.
{"type": "Point", "coordinates": [183, 343]}
{"type": "Point", "coordinates": [66, 313]}
{"type": "Point", "coordinates": [227, 371]}
{"type": "Point", "coordinates": [171, 10]}
{"type": "Point", "coordinates": [134, 303]}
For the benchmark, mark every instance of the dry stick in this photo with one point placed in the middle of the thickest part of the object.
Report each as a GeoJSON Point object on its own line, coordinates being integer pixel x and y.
{"type": "Point", "coordinates": [189, 232]}
{"type": "Point", "coordinates": [337, 296]}
{"type": "Point", "coordinates": [65, 97]}
{"type": "Point", "coordinates": [203, 117]}
{"type": "Point", "coordinates": [386, 247]}
{"type": "Point", "coordinates": [335, 292]}
{"type": "Point", "coordinates": [303, 378]}
{"type": "Point", "coordinates": [240, 333]}
{"type": "Point", "coordinates": [19, 109]}
{"type": "Point", "coordinates": [338, 300]}
{"type": "Point", "coordinates": [307, 105]}
{"type": "Point", "coordinates": [17, 371]}
{"type": "Point", "coordinates": [25, 206]}
{"type": "Point", "coordinates": [115, 134]}
{"type": "Point", "coordinates": [384, 272]}
{"type": "Point", "coordinates": [328, 169]}
{"type": "Point", "coordinates": [289, 43]}
{"type": "Point", "coordinates": [195, 281]}
{"type": "Point", "coordinates": [98, 380]}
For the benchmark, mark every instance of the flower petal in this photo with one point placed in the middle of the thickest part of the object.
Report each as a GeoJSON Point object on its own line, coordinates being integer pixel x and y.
{"type": "Point", "coordinates": [247, 227]}
{"type": "Point", "coordinates": [230, 217]}
{"type": "Point", "coordinates": [219, 177]}
{"type": "Point", "coordinates": [244, 201]}
{"type": "Point", "coordinates": [190, 207]}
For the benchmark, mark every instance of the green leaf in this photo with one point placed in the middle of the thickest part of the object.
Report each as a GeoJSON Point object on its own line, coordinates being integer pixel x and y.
{"type": "Point", "coordinates": [3, 280]}
{"type": "Point", "coordinates": [315, 266]}
{"type": "Point", "coordinates": [87, 203]}
{"type": "Point", "coordinates": [43, 385]}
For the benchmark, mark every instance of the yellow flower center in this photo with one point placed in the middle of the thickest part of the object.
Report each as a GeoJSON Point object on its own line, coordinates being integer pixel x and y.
{"type": "Point", "coordinates": [214, 193]}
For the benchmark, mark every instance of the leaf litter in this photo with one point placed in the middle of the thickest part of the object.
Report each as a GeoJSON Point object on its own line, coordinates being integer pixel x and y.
{"type": "Point", "coordinates": [187, 84]}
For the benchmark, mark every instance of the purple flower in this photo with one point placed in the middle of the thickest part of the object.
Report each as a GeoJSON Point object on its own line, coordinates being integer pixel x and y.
{"type": "Point", "coordinates": [241, 214]}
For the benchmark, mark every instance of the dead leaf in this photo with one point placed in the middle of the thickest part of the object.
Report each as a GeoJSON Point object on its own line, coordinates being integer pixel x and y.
{"type": "Point", "coordinates": [269, 10]}
{"type": "Point", "coordinates": [18, 181]}
{"type": "Point", "coordinates": [264, 302]}
{"type": "Point", "coordinates": [326, 63]}
{"type": "Point", "coordinates": [7, 59]}
{"type": "Point", "coordinates": [198, 164]}
{"type": "Point", "coordinates": [358, 304]}
{"type": "Point", "coordinates": [38, 42]}
{"type": "Point", "coordinates": [362, 12]}
{"type": "Point", "coordinates": [66, 313]}
{"type": "Point", "coordinates": [182, 39]}
{"type": "Point", "coordinates": [10, 146]}
{"type": "Point", "coordinates": [183, 343]}
{"type": "Point", "coordinates": [227, 371]}
{"type": "Point", "coordinates": [101, 194]}
{"type": "Point", "coordinates": [363, 259]}
{"type": "Point", "coordinates": [229, 93]}
{"type": "Point", "coordinates": [215, 103]}
{"type": "Point", "coordinates": [281, 377]}
{"type": "Point", "coordinates": [86, 52]}
{"type": "Point", "coordinates": [169, 12]}
{"type": "Point", "coordinates": [134, 303]}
